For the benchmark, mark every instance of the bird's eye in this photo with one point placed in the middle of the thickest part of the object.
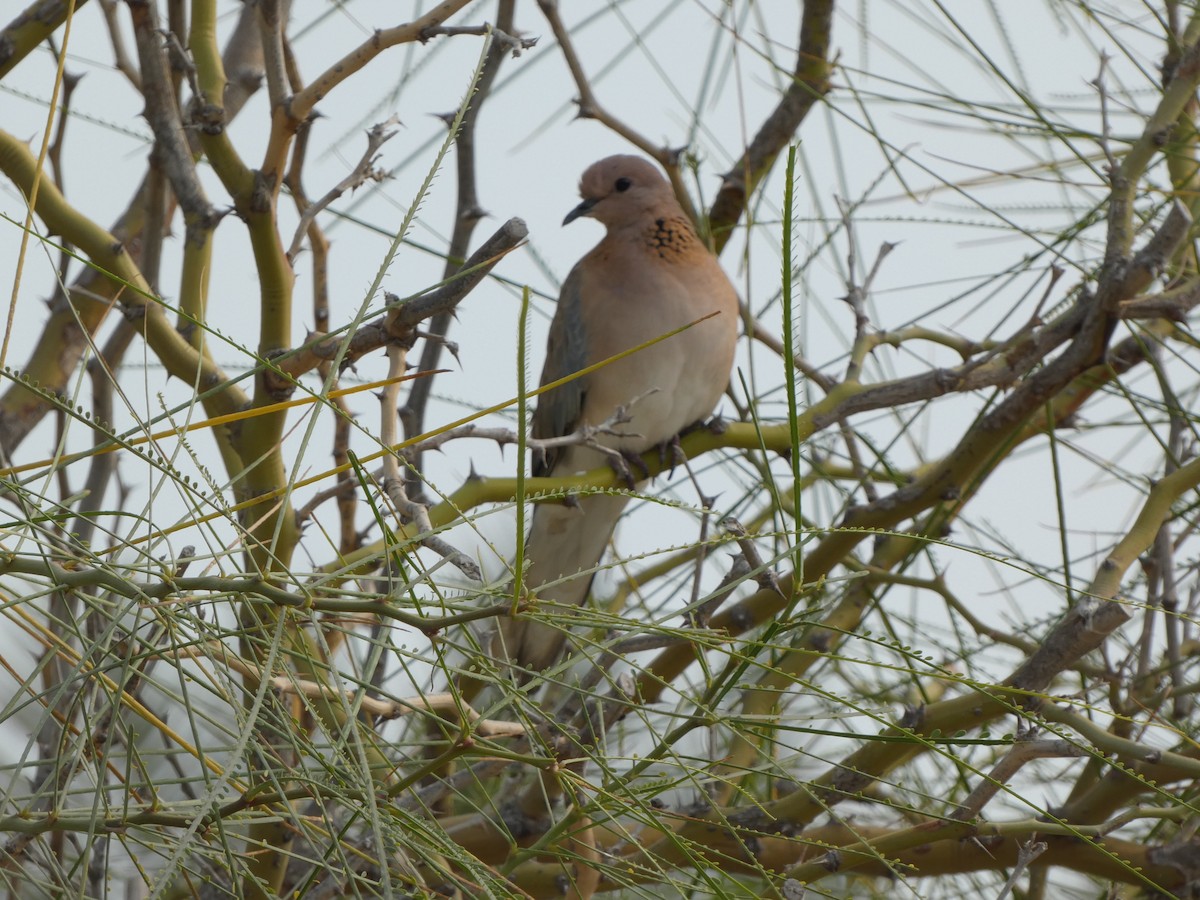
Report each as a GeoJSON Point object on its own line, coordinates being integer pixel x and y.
{"type": "Point", "coordinates": [623, 184]}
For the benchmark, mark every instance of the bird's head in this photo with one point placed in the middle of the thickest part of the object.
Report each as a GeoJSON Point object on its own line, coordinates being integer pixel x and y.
{"type": "Point", "coordinates": [621, 190]}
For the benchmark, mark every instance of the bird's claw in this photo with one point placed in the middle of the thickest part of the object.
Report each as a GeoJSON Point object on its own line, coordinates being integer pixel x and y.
{"type": "Point", "coordinates": [635, 459]}
{"type": "Point", "coordinates": [676, 455]}
{"type": "Point", "coordinates": [621, 462]}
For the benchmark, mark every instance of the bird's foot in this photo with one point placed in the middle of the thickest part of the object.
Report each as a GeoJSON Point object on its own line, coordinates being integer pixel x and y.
{"type": "Point", "coordinates": [623, 462]}
{"type": "Point", "coordinates": [671, 451]}
{"type": "Point", "coordinates": [635, 459]}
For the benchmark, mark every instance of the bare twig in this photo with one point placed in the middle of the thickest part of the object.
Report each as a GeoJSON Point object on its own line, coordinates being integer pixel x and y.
{"type": "Point", "coordinates": [468, 212]}
{"type": "Point", "coordinates": [584, 435]}
{"type": "Point", "coordinates": [1174, 304]}
{"type": "Point", "coordinates": [120, 53]}
{"type": "Point", "coordinates": [398, 323]}
{"type": "Point", "coordinates": [1024, 750]}
{"type": "Point", "coordinates": [1158, 252]}
{"type": "Point", "coordinates": [1026, 854]}
{"type": "Point", "coordinates": [516, 43]}
{"type": "Point", "coordinates": [181, 60]}
{"type": "Point", "coordinates": [1105, 124]}
{"type": "Point", "coordinates": [346, 490]}
{"type": "Point", "coordinates": [590, 108]}
{"type": "Point", "coordinates": [393, 481]}
{"type": "Point", "coordinates": [363, 172]}
{"type": "Point", "coordinates": [810, 82]}
{"type": "Point", "coordinates": [302, 103]}
{"type": "Point", "coordinates": [171, 143]}
{"type": "Point", "coordinates": [411, 311]}
{"type": "Point", "coordinates": [102, 370]}
{"type": "Point", "coordinates": [54, 154]}
{"type": "Point", "coordinates": [769, 338]}
{"type": "Point", "coordinates": [764, 576]}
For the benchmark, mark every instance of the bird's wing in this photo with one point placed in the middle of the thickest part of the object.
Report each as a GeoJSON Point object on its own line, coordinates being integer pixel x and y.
{"type": "Point", "coordinates": [558, 411]}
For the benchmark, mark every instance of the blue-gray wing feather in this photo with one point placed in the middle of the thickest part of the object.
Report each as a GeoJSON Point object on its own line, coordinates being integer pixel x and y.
{"type": "Point", "coordinates": [558, 411]}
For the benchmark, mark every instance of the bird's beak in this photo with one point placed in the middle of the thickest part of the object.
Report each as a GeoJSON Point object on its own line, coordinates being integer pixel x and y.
{"type": "Point", "coordinates": [581, 210]}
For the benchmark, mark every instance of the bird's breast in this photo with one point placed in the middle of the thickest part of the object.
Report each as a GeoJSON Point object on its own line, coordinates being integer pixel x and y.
{"type": "Point", "coordinates": [677, 380]}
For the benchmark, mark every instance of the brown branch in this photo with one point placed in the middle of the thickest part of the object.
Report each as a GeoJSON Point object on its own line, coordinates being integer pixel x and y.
{"type": "Point", "coordinates": [102, 369]}
{"type": "Point", "coordinates": [932, 850]}
{"type": "Point", "coordinates": [763, 575]}
{"type": "Point", "coordinates": [468, 212]}
{"type": "Point", "coordinates": [54, 155]}
{"type": "Point", "coordinates": [1024, 750]}
{"type": "Point", "coordinates": [940, 495]}
{"type": "Point", "coordinates": [302, 103]}
{"type": "Point", "coordinates": [410, 312]}
{"type": "Point", "coordinates": [346, 491]}
{"type": "Point", "coordinates": [36, 22]}
{"type": "Point", "coordinates": [515, 43]}
{"type": "Point", "coordinates": [1173, 304]}
{"type": "Point", "coordinates": [171, 144]}
{"type": "Point", "coordinates": [583, 436]}
{"type": "Point", "coordinates": [590, 108]}
{"type": "Point", "coordinates": [770, 338]}
{"type": "Point", "coordinates": [363, 171]}
{"type": "Point", "coordinates": [399, 322]}
{"type": "Point", "coordinates": [810, 82]}
{"type": "Point", "coordinates": [121, 59]}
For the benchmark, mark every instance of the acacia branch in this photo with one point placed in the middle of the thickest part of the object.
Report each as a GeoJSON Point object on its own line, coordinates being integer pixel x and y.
{"type": "Point", "coordinates": [810, 82]}
{"type": "Point", "coordinates": [403, 317]}
{"type": "Point", "coordinates": [590, 108]}
{"type": "Point", "coordinates": [175, 153]}
{"type": "Point", "coordinates": [76, 313]}
{"type": "Point", "coordinates": [37, 22]}
{"type": "Point", "coordinates": [410, 511]}
{"type": "Point", "coordinates": [301, 104]}
{"type": "Point", "coordinates": [468, 212]}
{"type": "Point", "coordinates": [364, 171]}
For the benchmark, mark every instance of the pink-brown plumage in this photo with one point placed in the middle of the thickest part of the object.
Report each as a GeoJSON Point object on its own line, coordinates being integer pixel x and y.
{"type": "Point", "coordinates": [649, 275]}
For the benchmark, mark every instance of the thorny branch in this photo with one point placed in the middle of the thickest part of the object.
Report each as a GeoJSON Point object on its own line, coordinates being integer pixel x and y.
{"type": "Point", "coordinates": [1047, 369]}
{"type": "Point", "coordinates": [516, 43]}
{"type": "Point", "coordinates": [590, 108]}
{"type": "Point", "coordinates": [405, 314]}
{"type": "Point", "coordinates": [584, 436]}
{"type": "Point", "coordinates": [468, 212]}
{"type": "Point", "coordinates": [810, 82]}
{"type": "Point", "coordinates": [393, 479]}
{"type": "Point", "coordinates": [363, 172]}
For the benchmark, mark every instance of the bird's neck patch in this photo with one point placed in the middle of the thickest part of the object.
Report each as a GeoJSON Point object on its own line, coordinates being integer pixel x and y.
{"type": "Point", "coordinates": [672, 238]}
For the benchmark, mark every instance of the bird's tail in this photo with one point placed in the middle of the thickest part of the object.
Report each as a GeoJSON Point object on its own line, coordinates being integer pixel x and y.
{"type": "Point", "coordinates": [563, 542]}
